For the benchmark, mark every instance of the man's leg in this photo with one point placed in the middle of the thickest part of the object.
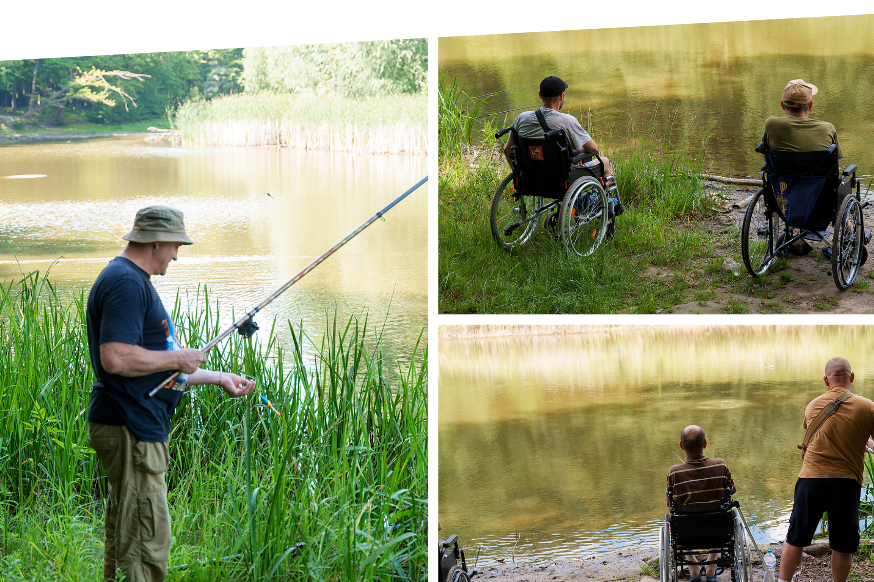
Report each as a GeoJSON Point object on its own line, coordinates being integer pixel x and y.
{"type": "Point", "coordinates": [841, 564]}
{"type": "Point", "coordinates": [790, 559]}
{"type": "Point", "coordinates": [710, 569]}
{"type": "Point", "coordinates": [694, 571]}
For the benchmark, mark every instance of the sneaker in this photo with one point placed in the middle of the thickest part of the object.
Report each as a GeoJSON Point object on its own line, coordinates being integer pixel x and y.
{"type": "Point", "coordinates": [618, 209]}
{"type": "Point", "coordinates": [709, 579]}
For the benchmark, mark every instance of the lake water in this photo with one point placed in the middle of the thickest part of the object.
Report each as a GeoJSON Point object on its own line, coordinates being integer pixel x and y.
{"type": "Point", "coordinates": [257, 215]}
{"type": "Point", "coordinates": [717, 82]}
{"type": "Point", "coordinates": [558, 446]}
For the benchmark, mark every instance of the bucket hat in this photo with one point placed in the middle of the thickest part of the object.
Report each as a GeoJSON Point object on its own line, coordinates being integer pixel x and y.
{"type": "Point", "coordinates": [158, 224]}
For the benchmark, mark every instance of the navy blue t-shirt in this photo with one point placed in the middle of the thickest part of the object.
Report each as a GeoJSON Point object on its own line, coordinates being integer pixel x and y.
{"type": "Point", "coordinates": [124, 307]}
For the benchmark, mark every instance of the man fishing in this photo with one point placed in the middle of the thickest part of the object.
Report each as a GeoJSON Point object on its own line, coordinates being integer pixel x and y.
{"type": "Point", "coordinates": [831, 473]}
{"type": "Point", "coordinates": [133, 348]}
{"type": "Point", "coordinates": [698, 485]}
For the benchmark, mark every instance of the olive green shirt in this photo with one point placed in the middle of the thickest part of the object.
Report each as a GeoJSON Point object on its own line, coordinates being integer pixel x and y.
{"type": "Point", "coordinates": [800, 134]}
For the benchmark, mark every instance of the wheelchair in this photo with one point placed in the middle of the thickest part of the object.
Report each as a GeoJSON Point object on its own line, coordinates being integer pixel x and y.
{"type": "Point", "coordinates": [448, 554]}
{"type": "Point", "coordinates": [802, 194]}
{"type": "Point", "coordinates": [686, 535]}
{"type": "Point", "coordinates": [578, 215]}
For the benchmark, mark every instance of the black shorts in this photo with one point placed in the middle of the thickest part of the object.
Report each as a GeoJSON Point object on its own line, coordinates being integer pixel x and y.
{"type": "Point", "coordinates": [838, 497]}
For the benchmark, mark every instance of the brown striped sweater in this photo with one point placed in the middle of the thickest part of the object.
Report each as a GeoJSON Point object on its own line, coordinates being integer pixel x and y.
{"type": "Point", "coordinates": [699, 484]}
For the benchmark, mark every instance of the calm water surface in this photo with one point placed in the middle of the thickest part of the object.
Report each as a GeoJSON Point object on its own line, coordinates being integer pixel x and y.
{"type": "Point", "coordinates": [248, 243]}
{"type": "Point", "coordinates": [559, 446]}
{"type": "Point", "coordinates": [714, 82]}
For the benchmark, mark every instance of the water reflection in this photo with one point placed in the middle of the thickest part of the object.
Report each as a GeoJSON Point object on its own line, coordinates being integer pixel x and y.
{"type": "Point", "coordinates": [567, 439]}
{"type": "Point", "coordinates": [716, 81]}
{"type": "Point", "coordinates": [258, 216]}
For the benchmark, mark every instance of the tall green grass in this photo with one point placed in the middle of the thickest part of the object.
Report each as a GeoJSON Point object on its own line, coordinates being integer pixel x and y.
{"type": "Point", "coordinates": [664, 226]}
{"type": "Point", "coordinates": [456, 114]}
{"type": "Point", "coordinates": [334, 488]}
{"type": "Point", "coordinates": [375, 125]}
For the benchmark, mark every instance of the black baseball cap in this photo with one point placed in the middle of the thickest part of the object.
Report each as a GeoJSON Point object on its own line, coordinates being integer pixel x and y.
{"type": "Point", "coordinates": [552, 87]}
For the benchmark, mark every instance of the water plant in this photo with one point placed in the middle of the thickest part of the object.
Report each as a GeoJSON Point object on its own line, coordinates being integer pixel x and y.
{"type": "Point", "coordinates": [334, 488]}
{"type": "Point", "coordinates": [456, 113]}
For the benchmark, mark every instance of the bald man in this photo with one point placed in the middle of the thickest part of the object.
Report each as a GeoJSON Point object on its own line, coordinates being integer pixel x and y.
{"type": "Point", "coordinates": [831, 475]}
{"type": "Point", "coordinates": [698, 485]}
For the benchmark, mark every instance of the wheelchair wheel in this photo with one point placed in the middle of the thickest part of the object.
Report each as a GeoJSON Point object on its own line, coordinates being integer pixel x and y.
{"type": "Point", "coordinates": [742, 571]}
{"type": "Point", "coordinates": [847, 243]}
{"type": "Point", "coordinates": [509, 210]}
{"type": "Point", "coordinates": [456, 574]}
{"type": "Point", "coordinates": [759, 236]}
{"type": "Point", "coordinates": [583, 218]}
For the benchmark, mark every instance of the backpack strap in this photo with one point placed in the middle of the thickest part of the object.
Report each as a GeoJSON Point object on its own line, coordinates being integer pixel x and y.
{"type": "Point", "coordinates": [542, 120]}
{"type": "Point", "coordinates": [820, 419]}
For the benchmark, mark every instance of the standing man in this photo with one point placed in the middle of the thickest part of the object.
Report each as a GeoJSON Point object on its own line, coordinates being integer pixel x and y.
{"type": "Point", "coordinates": [831, 475]}
{"type": "Point", "coordinates": [133, 347]}
{"type": "Point", "coordinates": [698, 485]}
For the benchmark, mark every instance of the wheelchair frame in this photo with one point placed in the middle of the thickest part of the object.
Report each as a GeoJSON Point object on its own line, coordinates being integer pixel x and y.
{"type": "Point", "coordinates": [447, 562]}
{"type": "Point", "coordinates": [579, 219]}
{"type": "Point", "coordinates": [734, 548]}
{"type": "Point", "coordinates": [761, 241]}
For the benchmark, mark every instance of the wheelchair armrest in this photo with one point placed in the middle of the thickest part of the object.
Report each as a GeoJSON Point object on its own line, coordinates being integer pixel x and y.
{"type": "Point", "coordinates": [850, 170]}
{"type": "Point", "coordinates": [761, 147]}
{"type": "Point", "coordinates": [503, 131]}
{"type": "Point", "coordinates": [450, 540]}
{"type": "Point", "coordinates": [831, 148]}
{"type": "Point", "coordinates": [584, 157]}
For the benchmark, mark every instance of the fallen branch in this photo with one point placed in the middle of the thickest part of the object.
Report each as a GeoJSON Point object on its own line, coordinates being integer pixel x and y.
{"type": "Point", "coordinates": [742, 181]}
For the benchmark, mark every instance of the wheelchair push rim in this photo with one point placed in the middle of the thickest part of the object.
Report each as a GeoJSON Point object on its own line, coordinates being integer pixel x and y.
{"type": "Point", "coordinates": [758, 239]}
{"type": "Point", "coordinates": [847, 243]}
{"type": "Point", "coordinates": [584, 217]}
{"type": "Point", "coordinates": [513, 218]}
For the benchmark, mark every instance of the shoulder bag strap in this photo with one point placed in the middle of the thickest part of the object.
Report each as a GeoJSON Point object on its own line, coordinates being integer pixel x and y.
{"type": "Point", "coordinates": [820, 419]}
{"type": "Point", "coordinates": [542, 120]}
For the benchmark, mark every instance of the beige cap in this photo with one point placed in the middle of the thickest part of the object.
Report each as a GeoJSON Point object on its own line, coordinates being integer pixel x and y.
{"type": "Point", "coordinates": [798, 93]}
{"type": "Point", "coordinates": [158, 224]}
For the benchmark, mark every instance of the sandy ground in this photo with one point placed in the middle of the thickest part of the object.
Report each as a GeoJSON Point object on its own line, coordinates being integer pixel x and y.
{"type": "Point", "coordinates": [811, 288]}
{"type": "Point", "coordinates": [629, 566]}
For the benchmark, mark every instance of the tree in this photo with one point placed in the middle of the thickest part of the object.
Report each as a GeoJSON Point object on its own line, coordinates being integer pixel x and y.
{"type": "Point", "coordinates": [89, 86]}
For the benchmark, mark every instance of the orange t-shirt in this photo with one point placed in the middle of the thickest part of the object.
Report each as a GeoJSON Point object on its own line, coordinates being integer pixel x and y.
{"type": "Point", "coordinates": [837, 449]}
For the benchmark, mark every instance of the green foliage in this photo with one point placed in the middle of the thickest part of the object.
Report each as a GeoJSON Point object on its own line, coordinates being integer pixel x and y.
{"type": "Point", "coordinates": [343, 470]}
{"type": "Point", "coordinates": [351, 69]}
{"type": "Point", "coordinates": [456, 113]}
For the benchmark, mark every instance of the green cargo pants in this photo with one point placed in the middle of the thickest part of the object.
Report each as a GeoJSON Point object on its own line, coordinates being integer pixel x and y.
{"type": "Point", "coordinates": [137, 516]}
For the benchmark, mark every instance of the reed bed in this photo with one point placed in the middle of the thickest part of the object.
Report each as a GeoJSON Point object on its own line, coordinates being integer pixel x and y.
{"type": "Point", "coordinates": [391, 124]}
{"type": "Point", "coordinates": [334, 488]}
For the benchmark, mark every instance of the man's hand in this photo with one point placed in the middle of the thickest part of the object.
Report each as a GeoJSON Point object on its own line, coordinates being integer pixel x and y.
{"type": "Point", "coordinates": [234, 385]}
{"type": "Point", "coordinates": [869, 446]}
{"type": "Point", "coordinates": [189, 360]}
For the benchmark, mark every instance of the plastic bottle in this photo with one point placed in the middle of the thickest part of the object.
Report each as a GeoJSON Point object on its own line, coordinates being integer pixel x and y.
{"type": "Point", "coordinates": [770, 567]}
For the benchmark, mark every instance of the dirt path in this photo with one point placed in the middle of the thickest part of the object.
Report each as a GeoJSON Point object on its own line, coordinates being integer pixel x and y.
{"type": "Point", "coordinates": [642, 566]}
{"type": "Point", "coordinates": [803, 285]}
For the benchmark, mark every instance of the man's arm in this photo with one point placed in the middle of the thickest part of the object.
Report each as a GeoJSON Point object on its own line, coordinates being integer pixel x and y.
{"type": "Point", "coordinates": [131, 361]}
{"type": "Point", "coordinates": [233, 384]}
{"type": "Point", "coordinates": [588, 147]}
{"type": "Point", "coordinates": [507, 148]}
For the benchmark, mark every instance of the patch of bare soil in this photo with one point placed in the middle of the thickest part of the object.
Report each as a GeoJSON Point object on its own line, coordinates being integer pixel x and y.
{"type": "Point", "coordinates": [642, 566]}
{"type": "Point", "coordinates": [803, 285]}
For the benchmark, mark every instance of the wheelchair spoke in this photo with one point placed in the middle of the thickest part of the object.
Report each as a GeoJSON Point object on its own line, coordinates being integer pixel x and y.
{"type": "Point", "coordinates": [759, 236]}
{"type": "Point", "coordinates": [513, 220]}
{"type": "Point", "coordinates": [583, 219]}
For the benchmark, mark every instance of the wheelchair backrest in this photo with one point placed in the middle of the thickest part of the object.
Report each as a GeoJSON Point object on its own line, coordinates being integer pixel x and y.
{"type": "Point", "coordinates": [542, 164]}
{"type": "Point", "coordinates": [803, 186]}
{"type": "Point", "coordinates": [712, 529]}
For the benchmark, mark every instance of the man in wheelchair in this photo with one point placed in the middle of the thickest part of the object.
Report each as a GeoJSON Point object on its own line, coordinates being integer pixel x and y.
{"type": "Point", "coordinates": [533, 124]}
{"type": "Point", "coordinates": [697, 486]}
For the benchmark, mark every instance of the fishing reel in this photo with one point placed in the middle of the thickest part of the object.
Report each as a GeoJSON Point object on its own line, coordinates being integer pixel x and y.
{"type": "Point", "coordinates": [248, 328]}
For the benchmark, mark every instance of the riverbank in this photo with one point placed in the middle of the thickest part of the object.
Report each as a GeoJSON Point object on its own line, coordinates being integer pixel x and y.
{"type": "Point", "coordinates": [671, 253]}
{"type": "Point", "coordinates": [642, 566]}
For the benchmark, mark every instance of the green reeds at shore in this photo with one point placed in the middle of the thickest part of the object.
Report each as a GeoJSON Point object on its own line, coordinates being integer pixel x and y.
{"type": "Point", "coordinates": [343, 471]}
{"type": "Point", "coordinates": [377, 125]}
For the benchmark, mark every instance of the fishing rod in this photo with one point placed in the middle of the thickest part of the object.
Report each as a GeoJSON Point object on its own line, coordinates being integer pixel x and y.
{"type": "Point", "coordinates": [507, 111]}
{"type": "Point", "coordinates": [246, 325]}
{"type": "Point", "coordinates": [496, 92]}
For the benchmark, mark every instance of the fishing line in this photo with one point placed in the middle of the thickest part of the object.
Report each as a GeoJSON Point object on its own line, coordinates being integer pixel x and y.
{"type": "Point", "coordinates": [496, 92]}
{"type": "Point", "coordinates": [506, 111]}
{"type": "Point", "coordinates": [246, 325]}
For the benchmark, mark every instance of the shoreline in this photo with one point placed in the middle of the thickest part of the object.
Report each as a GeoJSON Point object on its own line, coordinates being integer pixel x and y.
{"type": "Point", "coordinates": [67, 136]}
